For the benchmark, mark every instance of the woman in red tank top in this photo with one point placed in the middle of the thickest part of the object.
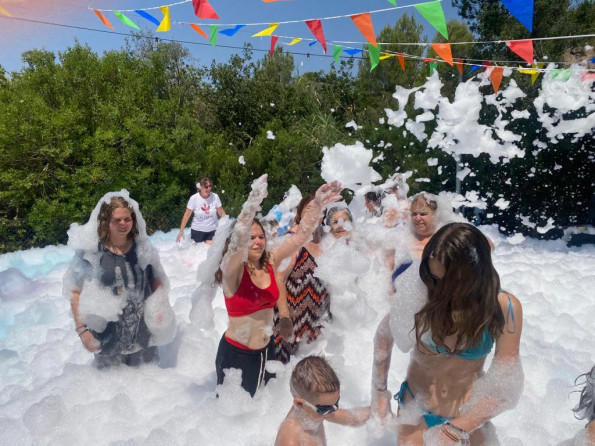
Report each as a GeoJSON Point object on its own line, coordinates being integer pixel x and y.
{"type": "Point", "coordinates": [247, 275]}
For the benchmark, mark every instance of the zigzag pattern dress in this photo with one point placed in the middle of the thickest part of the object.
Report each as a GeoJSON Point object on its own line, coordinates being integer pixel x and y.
{"type": "Point", "coordinates": [309, 306]}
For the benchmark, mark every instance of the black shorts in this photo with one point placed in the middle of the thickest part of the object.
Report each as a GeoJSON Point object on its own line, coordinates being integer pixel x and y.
{"type": "Point", "coordinates": [250, 362]}
{"type": "Point", "coordinates": [199, 236]}
{"type": "Point", "coordinates": [145, 356]}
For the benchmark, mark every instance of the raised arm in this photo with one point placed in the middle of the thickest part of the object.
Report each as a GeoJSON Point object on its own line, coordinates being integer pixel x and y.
{"type": "Point", "coordinates": [327, 193]}
{"type": "Point", "coordinates": [233, 260]}
{"type": "Point", "coordinates": [383, 347]}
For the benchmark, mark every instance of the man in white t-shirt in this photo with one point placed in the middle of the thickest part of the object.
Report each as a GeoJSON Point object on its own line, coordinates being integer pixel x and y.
{"type": "Point", "coordinates": [205, 205]}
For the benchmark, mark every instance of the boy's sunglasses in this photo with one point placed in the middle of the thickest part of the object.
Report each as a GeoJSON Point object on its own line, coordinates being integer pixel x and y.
{"type": "Point", "coordinates": [323, 409]}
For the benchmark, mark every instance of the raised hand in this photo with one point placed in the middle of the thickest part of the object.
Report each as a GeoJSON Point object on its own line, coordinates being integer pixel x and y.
{"type": "Point", "coordinates": [328, 193]}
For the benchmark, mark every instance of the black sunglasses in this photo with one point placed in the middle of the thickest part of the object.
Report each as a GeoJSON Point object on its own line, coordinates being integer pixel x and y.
{"type": "Point", "coordinates": [323, 409]}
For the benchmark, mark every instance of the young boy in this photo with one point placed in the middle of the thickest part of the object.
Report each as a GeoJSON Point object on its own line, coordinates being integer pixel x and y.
{"type": "Point", "coordinates": [316, 389]}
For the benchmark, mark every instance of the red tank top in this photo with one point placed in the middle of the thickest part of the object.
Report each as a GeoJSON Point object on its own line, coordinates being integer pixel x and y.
{"type": "Point", "coordinates": [249, 298]}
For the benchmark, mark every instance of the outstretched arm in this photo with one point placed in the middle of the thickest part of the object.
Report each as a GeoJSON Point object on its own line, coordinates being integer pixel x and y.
{"type": "Point", "coordinates": [327, 193]}
{"type": "Point", "coordinates": [350, 417]}
{"type": "Point", "coordinates": [232, 263]}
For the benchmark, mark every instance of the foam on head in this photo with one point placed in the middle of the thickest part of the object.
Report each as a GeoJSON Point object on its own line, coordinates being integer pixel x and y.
{"type": "Point", "coordinates": [313, 375]}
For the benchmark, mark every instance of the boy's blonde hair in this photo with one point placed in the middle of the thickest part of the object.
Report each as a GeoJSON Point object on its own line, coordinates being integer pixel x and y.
{"type": "Point", "coordinates": [311, 376]}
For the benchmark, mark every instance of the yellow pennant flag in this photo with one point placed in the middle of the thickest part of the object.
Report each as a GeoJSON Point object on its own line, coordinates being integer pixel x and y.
{"type": "Point", "coordinates": [534, 72]}
{"type": "Point", "coordinates": [5, 12]}
{"type": "Point", "coordinates": [166, 22]}
{"type": "Point", "coordinates": [294, 41]}
{"type": "Point", "coordinates": [268, 31]}
{"type": "Point", "coordinates": [386, 56]}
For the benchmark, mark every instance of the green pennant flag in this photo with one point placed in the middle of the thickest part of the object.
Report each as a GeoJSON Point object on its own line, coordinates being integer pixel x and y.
{"type": "Point", "coordinates": [433, 66]}
{"type": "Point", "coordinates": [562, 74]}
{"type": "Point", "coordinates": [213, 37]}
{"type": "Point", "coordinates": [374, 53]}
{"type": "Point", "coordinates": [337, 52]}
{"type": "Point", "coordinates": [125, 20]}
{"type": "Point", "coordinates": [393, 2]}
{"type": "Point", "coordinates": [434, 14]}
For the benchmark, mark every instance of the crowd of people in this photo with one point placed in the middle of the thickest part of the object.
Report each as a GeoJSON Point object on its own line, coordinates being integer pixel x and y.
{"type": "Point", "coordinates": [448, 309]}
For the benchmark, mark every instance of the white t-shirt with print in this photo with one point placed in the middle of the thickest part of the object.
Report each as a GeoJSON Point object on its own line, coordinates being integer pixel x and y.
{"type": "Point", "coordinates": [205, 212]}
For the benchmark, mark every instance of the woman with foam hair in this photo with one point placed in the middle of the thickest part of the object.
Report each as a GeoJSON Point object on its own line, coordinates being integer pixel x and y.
{"type": "Point", "coordinates": [461, 313]}
{"type": "Point", "coordinates": [585, 409]}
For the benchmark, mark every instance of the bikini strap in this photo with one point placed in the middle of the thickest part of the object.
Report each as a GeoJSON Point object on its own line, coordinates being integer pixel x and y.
{"type": "Point", "coordinates": [510, 315]}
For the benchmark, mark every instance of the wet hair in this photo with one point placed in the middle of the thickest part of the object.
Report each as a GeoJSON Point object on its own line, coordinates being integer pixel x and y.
{"type": "Point", "coordinates": [202, 181]}
{"type": "Point", "coordinates": [421, 199]}
{"type": "Point", "coordinates": [105, 215]}
{"type": "Point", "coordinates": [300, 208]}
{"type": "Point", "coordinates": [332, 211]}
{"type": "Point", "coordinates": [585, 409]}
{"type": "Point", "coordinates": [464, 302]}
{"type": "Point", "coordinates": [311, 376]}
{"type": "Point", "coordinates": [262, 262]}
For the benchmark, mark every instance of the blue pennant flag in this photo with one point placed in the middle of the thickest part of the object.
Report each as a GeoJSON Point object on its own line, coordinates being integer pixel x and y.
{"type": "Point", "coordinates": [522, 10]}
{"type": "Point", "coordinates": [473, 68]}
{"type": "Point", "coordinates": [149, 17]}
{"type": "Point", "coordinates": [231, 31]}
{"type": "Point", "coordinates": [312, 43]}
{"type": "Point", "coordinates": [353, 51]}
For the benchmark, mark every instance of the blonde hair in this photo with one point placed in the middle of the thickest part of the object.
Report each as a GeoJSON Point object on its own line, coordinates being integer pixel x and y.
{"type": "Point", "coordinates": [311, 376]}
{"type": "Point", "coordinates": [105, 215]}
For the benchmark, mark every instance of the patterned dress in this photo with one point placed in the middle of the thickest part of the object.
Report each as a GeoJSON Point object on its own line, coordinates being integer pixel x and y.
{"type": "Point", "coordinates": [309, 307]}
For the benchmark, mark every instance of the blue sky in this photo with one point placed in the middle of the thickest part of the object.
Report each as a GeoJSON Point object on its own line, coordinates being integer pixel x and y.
{"type": "Point", "coordinates": [18, 36]}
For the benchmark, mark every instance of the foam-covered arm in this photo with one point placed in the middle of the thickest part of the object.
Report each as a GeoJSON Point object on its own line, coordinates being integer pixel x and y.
{"type": "Point", "coordinates": [383, 347]}
{"type": "Point", "coordinates": [356, 416]}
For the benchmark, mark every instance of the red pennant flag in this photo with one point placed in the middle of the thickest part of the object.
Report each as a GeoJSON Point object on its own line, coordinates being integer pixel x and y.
{"type": "Point", "coordinates": [196, 28]}
{"type": "Point", "coordinates": [316, 28]}
{"type": "Point", "coordinates": [401, 60]}
{"type": "Point", "coordinates": [496, 77]}
{"type": "Point", "coordinates": [523, 48]}
{"type": "Point", "coordinates": [204, 10]}
{"type": "Point", "coordinates": [485, 64]}
{"type": "Point", "coordinates": [364, 24]}
{"type": "Point", "coordinates": [103, 19]}
{"type": "Point", "coordinates": [273, 43]}
{"type": "Point", "coordinates": [459, 65]}
{"type": "Point", "coordinates": [443, 50]}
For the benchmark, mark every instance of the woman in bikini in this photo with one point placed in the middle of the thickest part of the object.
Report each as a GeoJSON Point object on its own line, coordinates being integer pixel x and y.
{"type": "Point", "coordinates": [248, 277]}
{"type": "Point", "coordinates": [461, 313]}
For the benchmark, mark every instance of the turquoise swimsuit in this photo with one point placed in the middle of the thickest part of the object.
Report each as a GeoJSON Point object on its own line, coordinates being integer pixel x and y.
{"type": "Point", "coordinates": [481, 350]}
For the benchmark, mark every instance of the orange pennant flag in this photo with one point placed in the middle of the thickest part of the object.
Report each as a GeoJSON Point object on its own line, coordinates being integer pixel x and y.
{"type": "Point", "coordinates": [196, 28]}
{"type": "Point", "coordinates": [401, 60]}
{"type": "Point", "coordinates": [496, 77]}
{"type": "Point", "coordinates": [364, 24]}
{"type": "Point", "coordinates": [103, 19]}
{"type": "Point", "coordinates": [459, 65]}
{"type": "Point", "coordinates": [443, 50]}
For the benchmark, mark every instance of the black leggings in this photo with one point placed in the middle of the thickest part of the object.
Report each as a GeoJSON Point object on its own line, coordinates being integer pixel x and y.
{"type": "Point", "coordinates": [250, 362]}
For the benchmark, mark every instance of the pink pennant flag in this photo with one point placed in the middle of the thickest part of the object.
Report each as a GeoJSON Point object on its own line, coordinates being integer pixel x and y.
{"type": "Point", "coordinates": [204, 10]}
{"type": "Point", "coordinates": [523, 48]}
{"type": "Point", "coordinates": [273, 43]}
{"type": "Point", "coordinates": [316, 28]}
{"type": "Point", "coordinates": [103, 19]}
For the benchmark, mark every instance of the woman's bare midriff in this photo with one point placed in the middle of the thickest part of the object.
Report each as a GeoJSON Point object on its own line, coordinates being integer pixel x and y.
{"type": "Point", "coordinates": [252, 330]}
{"type": "Point", "coordinates": [442, 383]}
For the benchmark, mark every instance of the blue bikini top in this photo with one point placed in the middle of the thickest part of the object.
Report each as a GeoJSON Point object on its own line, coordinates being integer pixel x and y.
{"type": "Point", "coordinates": [478, 351]}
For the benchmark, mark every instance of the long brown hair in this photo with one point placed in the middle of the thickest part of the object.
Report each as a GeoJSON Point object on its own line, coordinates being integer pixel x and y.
{"type": "Point", "coordinates": [300, 208]}
{"type": "Point", "coordinates": [105, 216]}
{"type": "Point", "coordinates": [262, 262]}
{"type": "Point", "coordinates": [464, 302]}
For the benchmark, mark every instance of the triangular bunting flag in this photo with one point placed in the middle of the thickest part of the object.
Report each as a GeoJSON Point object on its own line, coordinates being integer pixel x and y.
{"type": "Point", "coordinates": [496, 78]}
{"type": "Point", "coordinates": [273, 43]}
{"type": "Point", "coordinates": [443, 50]}
{"type": "Point", "coordinates": [294, 41]}
{"type": "Point", "coordinates": [459, 64]}
{"type": "Point", "coordinates": [146, 15]}
{"type": "Point", "coordinates": [196, 28]}
{"type": "Point", "coordinates": [535, 75]}
{"type": "Point", "coordinates": [3, 11]}
{"type": "Point", "coordinates": [103, 19]}
{"type": "Point", "coordinates": [522, 10]}
{"type": "Point", "coordinates": [562, 74]}
{"type": "Point", "coordinates": [312, 43]}
{"type": "Point", "coordinates": [393, 2]}
{"type": "Point", "coordinates": [364, 24]}
{"type": "Point", "coordinates": [473, 68]}
{"type": "Point", "coordinates": [401, 58]}
{"type": "Point", "coordinates": [433, 66]}
{"type": "Point", "coordinates": [204, 10]}
{"type": "Point", "coordinates": [386, 56]}
{"type": "Point", "coordinates": [523, 48]}
{"type": "Point", "coordinates": [267, 31]}
{"type": "Point", "coordinates": [374, 53]}
{"type": "Point", "coordinates": [166, 22]}
{"type": "Point", "coordinates": [231, 31]}
{"type": "Point", "coordinates": [486, 63]}
{"type": "Point", "coordinates": [125, 20]}
{"type": "Point", "coordinates": [353, 51]}
{"type": "Point", "coordinates": [316, 28]}
{"type": "Point", "coordinates": [434, 14]}
{"type": "Point", "coordinates": [213, 36]}
{"type": "Point", "coordinates": [337, 52]}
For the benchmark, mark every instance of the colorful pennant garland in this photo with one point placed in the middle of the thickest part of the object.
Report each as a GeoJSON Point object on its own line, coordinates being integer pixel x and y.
{"type": "Point", "coordinates": [523, 48]}
{"type": "Point", "coordinates": [166, 22]}
{"type": "Point", "coordinates": [146, 15]}
{"type": "Point", "coordinates": [374, 54]}
{"type": "Point", "coordinates": [126, 21]}
{"type": "Point", "coordinates": [267, 31]}
{"type": "Point", "coordinates": [363, 22]}
{"type": "Point", "coordinates": [316, 28]}
{"type": "Point", "coordinates": [444, 51]}
{"type": "Point", "coordinates": [204, 10]}
{"type": "Point", "coordinates": [434, 14]}
{"type": "Point", "coordinates": [230, 32]}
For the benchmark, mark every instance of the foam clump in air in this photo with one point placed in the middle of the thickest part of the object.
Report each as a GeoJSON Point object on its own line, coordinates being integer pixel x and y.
{"type": "Point", "coordinates": [348, 164]}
